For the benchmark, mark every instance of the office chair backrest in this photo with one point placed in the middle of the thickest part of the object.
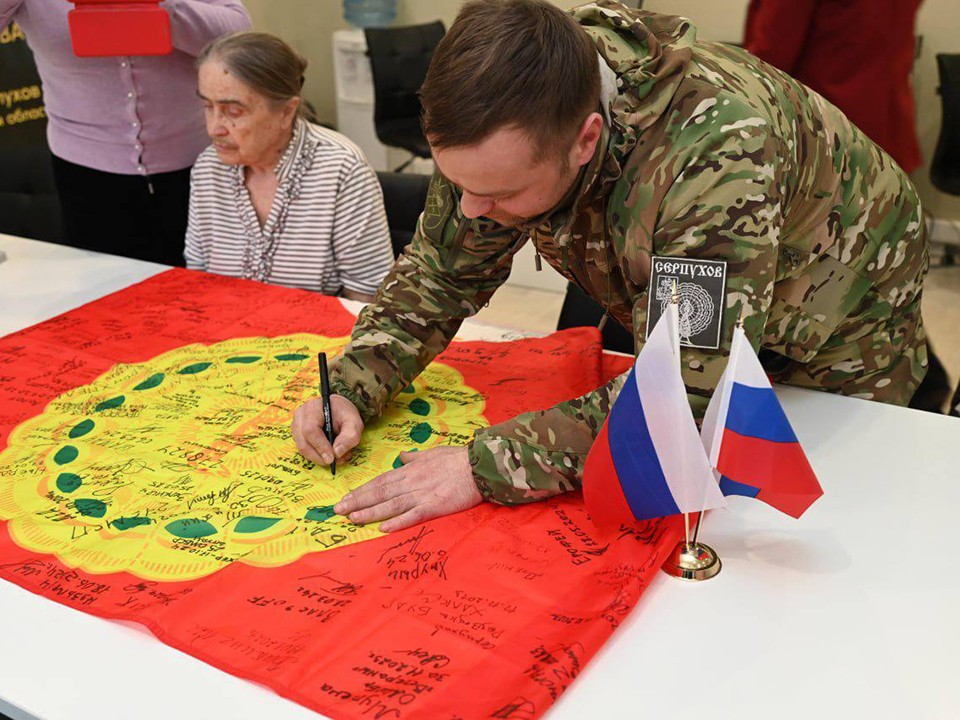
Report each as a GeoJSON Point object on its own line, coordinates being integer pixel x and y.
{"type": "Point", "coordinates": [399, 58]}
{"type": "Point", "coordinates": [29, 206]}
{"type": "Point", "coordinates": [945, 168]}
{"type": "Point", "coordinates": [580, 309]}
{"type": "Point", "coordinates": [404, 196]}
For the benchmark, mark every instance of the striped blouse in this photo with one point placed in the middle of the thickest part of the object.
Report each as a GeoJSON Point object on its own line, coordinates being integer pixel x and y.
{"type": "Point", "coordinates": [326, 229]}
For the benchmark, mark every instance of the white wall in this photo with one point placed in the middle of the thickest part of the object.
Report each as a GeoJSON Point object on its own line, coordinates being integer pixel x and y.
{"type": "Point", "coordinates": [309, 26]}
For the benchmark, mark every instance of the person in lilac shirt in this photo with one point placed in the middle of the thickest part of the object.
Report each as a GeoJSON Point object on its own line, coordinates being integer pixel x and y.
{"type": "Point", "coordinates": [124, 131]}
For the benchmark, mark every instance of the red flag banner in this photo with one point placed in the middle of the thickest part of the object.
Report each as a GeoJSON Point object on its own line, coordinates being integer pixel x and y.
{"type": "Point", "coordinates": [148, 475]}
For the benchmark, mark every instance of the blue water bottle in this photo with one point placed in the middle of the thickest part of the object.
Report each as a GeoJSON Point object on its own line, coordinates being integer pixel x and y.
{"type": "Point", "coordinates": [370, 13]}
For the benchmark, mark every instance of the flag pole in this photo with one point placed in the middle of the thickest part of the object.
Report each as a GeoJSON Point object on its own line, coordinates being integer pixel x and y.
{"type": "Point", "coordinates": [675, 336]}
{"type": "Point", "coordinates": [675, 344]}
{"type": "Point", "coordinates": [689, 560]}
{"type": "Point", "coordinates": [696, 528]}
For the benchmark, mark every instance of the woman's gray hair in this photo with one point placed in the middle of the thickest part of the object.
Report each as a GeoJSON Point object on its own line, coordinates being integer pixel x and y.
{"type": "Point", "coordinates": [263, 62]}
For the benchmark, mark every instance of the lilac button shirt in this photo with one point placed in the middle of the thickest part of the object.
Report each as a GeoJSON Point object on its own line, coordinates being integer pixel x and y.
{"type": "Point", "coordinates": [126, 115]}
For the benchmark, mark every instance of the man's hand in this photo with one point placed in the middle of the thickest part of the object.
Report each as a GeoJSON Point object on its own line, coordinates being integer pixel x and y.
{"type": "Point", "coordinates": [308, 429]}
{"type": "Point", "coordinates": [430, 484]}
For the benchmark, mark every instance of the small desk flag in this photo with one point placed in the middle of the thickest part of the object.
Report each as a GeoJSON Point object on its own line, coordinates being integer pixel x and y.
{"type": "Point", "coordinates": [648, 460]}
{"type": "Point", "coordinates": [749, 439]}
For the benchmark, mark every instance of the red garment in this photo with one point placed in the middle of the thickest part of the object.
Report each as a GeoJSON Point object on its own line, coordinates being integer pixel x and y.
{"type": "Point", "coordinates": [856, 53]}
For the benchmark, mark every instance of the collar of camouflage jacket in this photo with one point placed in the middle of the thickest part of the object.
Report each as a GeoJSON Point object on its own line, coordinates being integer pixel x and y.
{"type": "Point", "coordinates": [642, 57]}
{"type": "Point", "coordinates": [649, 54]}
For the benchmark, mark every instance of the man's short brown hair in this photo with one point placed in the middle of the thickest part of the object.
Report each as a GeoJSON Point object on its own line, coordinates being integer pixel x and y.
{"type": "Point", "coordinates": [505, 63]}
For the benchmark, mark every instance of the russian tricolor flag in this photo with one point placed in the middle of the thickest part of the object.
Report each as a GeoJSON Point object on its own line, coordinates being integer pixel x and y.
{"type": "Point", "coordinates": [648, 460]}
{"type": "Point", "coordinates": [749, 439]}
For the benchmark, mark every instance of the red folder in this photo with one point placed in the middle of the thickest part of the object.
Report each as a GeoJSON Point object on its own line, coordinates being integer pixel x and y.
{"type": "Point", "coordinates": [103, 28]}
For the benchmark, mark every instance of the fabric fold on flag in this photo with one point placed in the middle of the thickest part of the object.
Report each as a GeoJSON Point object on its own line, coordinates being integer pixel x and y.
{"type": "Point", "coordinates": [648, 460]}
{"type": "Point", "coordinates": [749, 440]}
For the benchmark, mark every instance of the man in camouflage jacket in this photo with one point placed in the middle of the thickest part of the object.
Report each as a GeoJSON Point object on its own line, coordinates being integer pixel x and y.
{"type": "Point", "coordinates": [703, 152]}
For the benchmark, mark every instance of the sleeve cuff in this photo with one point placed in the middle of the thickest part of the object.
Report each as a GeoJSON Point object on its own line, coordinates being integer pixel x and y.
{"type": "Point", "coordinates": [339, 387]}
{"type": "Point", "coordinates": [484, 487]}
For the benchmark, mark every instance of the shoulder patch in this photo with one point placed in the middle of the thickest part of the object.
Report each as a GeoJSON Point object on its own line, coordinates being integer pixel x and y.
{"type": "Point", "coordinates": [701, 285]}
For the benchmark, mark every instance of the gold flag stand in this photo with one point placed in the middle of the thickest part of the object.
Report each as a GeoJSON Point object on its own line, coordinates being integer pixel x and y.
{"type": "Point", "coordinates": [690, 559]}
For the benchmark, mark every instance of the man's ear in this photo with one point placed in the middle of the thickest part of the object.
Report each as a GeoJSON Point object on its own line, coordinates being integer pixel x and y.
{"type": "Point", "coordinates": [587, 139]}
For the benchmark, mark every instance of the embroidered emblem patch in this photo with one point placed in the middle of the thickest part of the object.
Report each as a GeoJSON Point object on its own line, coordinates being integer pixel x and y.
{"type": "Point", "coordinates": [701, 285]}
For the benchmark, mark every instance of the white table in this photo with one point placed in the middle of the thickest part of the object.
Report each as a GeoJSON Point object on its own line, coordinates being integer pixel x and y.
{"type": "Point", "coordinates": [851, 612]}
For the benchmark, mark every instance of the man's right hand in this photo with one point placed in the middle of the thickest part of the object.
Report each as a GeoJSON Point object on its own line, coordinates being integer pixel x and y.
{"type": "Point", "coordinates": [308, 434]}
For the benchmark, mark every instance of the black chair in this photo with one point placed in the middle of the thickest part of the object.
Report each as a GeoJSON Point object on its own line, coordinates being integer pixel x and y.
{"type": "Point", "coordinates": [29, 206]}
{"type": "Point", "coordinates": [580, 309]}
{"type": "Point", "coordinates": [399, 58]}
{"type": "Point", "coordinates": [945, 176]}
{"type": "Point", "coordinates": [404, 195]}
{"type": "Point", "coordinates": [945, 167]}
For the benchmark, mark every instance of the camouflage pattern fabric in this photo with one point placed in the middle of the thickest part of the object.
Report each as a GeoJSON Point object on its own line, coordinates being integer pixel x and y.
{"type": "Point", "coordinates": [709, 153]}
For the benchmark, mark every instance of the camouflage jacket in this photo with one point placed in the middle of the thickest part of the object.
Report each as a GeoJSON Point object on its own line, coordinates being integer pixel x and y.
{"type": "Point", "coordinates": [708, 153]}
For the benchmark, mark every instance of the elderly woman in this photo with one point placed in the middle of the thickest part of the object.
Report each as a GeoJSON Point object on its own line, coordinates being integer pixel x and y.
{"type": "Point", "coordinates": [276, 198]}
